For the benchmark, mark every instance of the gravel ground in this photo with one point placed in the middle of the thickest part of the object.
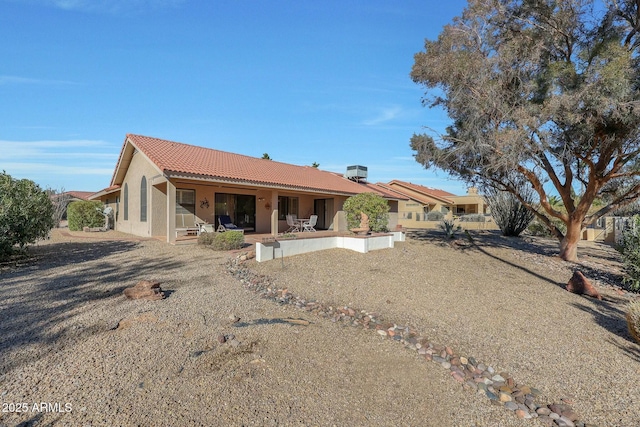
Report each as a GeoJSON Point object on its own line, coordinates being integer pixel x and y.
{"type": "Point", "coordinates": [72, 341]}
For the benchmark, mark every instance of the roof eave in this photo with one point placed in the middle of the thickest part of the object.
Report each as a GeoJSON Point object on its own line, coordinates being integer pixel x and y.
{"type": "Point", "coordinates": [257, 184]}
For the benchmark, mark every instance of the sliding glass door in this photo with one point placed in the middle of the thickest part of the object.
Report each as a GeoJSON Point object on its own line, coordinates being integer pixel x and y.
{"type": "Point", "coordinates": [240, 207]}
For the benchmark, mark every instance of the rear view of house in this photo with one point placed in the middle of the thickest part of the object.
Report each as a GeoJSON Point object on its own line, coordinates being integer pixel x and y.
{"type": "Point", "coordinates": [160, 186]}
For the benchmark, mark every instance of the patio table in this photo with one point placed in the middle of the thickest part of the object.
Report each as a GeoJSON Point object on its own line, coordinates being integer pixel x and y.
{"type": "Point", "coordinates": [302, 221]}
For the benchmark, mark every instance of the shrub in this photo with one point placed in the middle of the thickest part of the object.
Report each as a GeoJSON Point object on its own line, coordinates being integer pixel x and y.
{"type": "Point", "coordinates": [85, 214]}
{"type": "Point", "coordinates": [629, 247]}
{"type": "Point", "coordinates": [509, 214]}
{"type": "Point", "coordinates": [472, 218]}
{"type": "Point", "coordinates": [26, 213]}
{"type": "Point", "coordinates": [633, 319]}
{"type": "Point", "coordinates": [435, 216]}
{"type": "Point", "coordinates": [375, 206]}
{"type": "Point", "coordinates": [449, 228]}
{"type": "Point", "coordinates": [226, 241]}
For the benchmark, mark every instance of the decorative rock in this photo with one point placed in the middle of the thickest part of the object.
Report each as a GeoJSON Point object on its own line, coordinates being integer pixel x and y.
{"type": "Point", "coordinates": [439, 359]}
{"type": "Point", "coordinates": [522, 414]}
{"type": "Point", "coordinates": [564, 410]}
{"type": "Point", "coordinates": [543, 410]}
{"type": "Point", "coordinates": [512, 406]}
{"type": "Point", "coordinates": [564, 422]}
{"type": "Point", "coordinates": [578, 284]}
{"type": "Point", "coordinates": [497, 378]}
{"type": "Point", "coordinates": [382, 332]}
{"type": "Point", "coordinates": [554, 416]}
{"type": "Point", "coordinates": [222, 339]}
{"type": "Point", "coordinates": [144, 289]}
{"type": "Point", "coordinates": [505, 397]}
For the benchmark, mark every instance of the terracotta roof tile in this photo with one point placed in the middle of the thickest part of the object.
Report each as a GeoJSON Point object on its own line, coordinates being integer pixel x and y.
{"type": "Point", "coordinates": [421, 189]}
{"type": "Point", "coordinates": [178, 158]}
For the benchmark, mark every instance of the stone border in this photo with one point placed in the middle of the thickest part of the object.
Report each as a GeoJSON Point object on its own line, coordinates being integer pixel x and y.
{"type": "Point", "coordinates": [499, 387]}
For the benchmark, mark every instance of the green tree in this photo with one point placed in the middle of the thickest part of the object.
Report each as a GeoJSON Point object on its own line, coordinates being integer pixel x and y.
{"type": "Point", "coordinates": [315, 165]}
{"type": "Point", "coordinates": [544, 92]}
{"type": "Point", "coordinates": [375, 206]}
{"type": "Point", "coordinates": [266, 156]}
{"type": "Point", "coordinates": [26, 213]}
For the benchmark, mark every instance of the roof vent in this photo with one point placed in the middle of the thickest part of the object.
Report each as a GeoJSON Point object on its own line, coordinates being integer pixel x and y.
{"type": "Point", "coordinates": [356, 173]}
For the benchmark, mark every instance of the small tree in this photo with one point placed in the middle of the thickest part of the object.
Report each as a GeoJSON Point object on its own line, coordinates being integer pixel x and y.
{"type": "Point", "coordinates": [85, 214]}
{"type": "Point", "coordinates": [266, 156]}
{"type": "Point", "coordinates": [509, 214]}
{"type": "Point", "coordinates": [26, 213]}
{"type": "Point", "coordinates": [60, 200]}
{"type": "Point", "coordinates": [375, 206]}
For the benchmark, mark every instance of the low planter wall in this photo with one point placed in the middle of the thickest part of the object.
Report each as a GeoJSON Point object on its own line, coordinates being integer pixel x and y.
{"type": "Point", "coordinates": [267, 251]}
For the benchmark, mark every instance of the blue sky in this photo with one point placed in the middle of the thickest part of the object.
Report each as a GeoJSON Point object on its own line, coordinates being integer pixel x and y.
{"type": "Point", "coordinates": [304, 81]}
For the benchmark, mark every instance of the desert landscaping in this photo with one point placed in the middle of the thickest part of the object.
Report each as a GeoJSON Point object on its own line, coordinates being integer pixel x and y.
{"type": "Point", "coordinates": [477, 331]}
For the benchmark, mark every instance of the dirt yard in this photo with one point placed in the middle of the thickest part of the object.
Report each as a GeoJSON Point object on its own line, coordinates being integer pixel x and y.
{"type": "Point", "coordinates": [75, 351]}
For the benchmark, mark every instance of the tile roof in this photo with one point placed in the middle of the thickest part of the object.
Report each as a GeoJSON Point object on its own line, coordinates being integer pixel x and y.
{"type": "Point", "coordinates": [82, 195]}
{"type": "Point", "coordinates": [174, 159]}
{"type": "Point", "coordinates": [420, 189]}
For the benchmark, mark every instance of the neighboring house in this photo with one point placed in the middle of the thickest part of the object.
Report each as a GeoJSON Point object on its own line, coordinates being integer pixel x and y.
{"type": "Point", "coordinates": [422, 201]}
{"type": "Point", "coordinates": [159, 186]}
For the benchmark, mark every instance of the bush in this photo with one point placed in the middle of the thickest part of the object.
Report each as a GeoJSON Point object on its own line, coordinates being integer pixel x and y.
{"type": "Point", "coordinates": [633, 319]}
{"type": "Point", "coordinates": [507, 211]}
{"type": "Point", "coordinates": [85, 214]}
{"type": "Point", "coordinates": [435, 216]}
{"type": "Point", "coordinates": [472, 218]}
{"type": "Point", "coordinates": [629, 247]}
{"type": "Point", "coordinates": [371, 204]}
{"type": "Point", "coordinates": [226, 241]}
{"type": "Point", "coordinates": [26, 213]}
{"type": "Point", "coordinates": [449, 228]}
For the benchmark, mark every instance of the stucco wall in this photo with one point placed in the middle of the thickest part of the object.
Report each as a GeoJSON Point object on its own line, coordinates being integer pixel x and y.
{"type": "Point", "coordinates": [138, 168]}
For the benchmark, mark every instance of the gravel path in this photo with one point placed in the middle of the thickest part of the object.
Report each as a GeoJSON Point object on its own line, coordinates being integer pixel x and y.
{"type": "Point", "coordinates": [72, 341]}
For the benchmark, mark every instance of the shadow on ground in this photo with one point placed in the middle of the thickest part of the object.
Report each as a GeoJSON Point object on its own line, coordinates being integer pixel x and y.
{"type": "Point", "coordinates": [72, 277]}
{"type": "Point", "coordinates": [608, 313]}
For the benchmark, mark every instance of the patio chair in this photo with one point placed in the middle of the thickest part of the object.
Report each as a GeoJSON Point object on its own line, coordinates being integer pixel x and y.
{"type": "Point", "coordinates": [309, 226]}
{"type": "Point", "coordinates": [293, 226]}
{"type": "Point", "coordinates": [227, 225]}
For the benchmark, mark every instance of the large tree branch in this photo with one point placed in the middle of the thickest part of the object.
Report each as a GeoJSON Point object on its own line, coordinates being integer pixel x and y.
{"type": "Point", "coordinates": [539, 188]}
{"type": "Point", "coordinates": [629, 197]}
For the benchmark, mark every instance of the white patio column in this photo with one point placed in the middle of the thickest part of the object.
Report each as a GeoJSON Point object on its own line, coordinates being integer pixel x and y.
{"type": "Point", "coordinates": [171, 212]}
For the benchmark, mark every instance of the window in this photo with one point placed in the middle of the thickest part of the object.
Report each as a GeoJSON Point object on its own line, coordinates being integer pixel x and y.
{"type": "Point", "coordinates": [125, 214]}
{"type": "Point", "coordinates": [287, 206]}
{"type": "Point", "coordinates": [185, 201]}
{"type": "Point", "coordinates": [143, 199]}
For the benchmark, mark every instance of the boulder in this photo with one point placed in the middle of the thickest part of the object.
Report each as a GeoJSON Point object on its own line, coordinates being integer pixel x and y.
{"type": "Point", "coordinates": [578, 284]}
{"type": "Point", "coordinates": [145, 289]}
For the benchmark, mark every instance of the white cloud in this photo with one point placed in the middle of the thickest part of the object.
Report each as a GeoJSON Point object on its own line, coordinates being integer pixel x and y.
{"type": "Point", "coordinates": [45, 169]}
{"type": "Point", "coordinates": [386, 115]}
{"type": "Point", "coordinates": [110, 6]}
{"type": "Point", "coordinates": [6, 80]}
{"type": "Point", "coordinates": [60, 149]}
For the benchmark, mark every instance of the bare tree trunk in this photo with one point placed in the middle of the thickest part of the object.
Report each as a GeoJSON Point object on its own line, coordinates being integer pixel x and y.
{"type": "Point", "coordinates": [569, 243]}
